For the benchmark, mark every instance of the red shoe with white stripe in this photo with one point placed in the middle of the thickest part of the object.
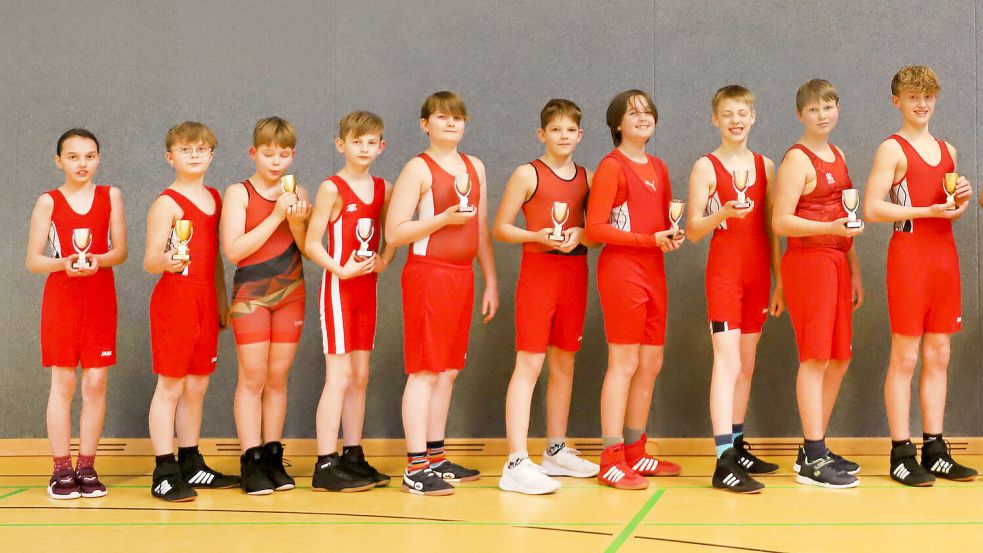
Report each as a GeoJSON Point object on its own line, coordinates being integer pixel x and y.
{"type": "Point", "coordinates": [646, 465]}
{"type": "Point", "coordinates": [616, 473]}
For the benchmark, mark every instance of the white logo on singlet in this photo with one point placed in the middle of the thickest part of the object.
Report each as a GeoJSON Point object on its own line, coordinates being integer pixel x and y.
{"type": "Point", "coordinates": [107, 353]}
{"type": "Point", "coordinates": [298, 323]}
{"type": "Point", "coordinates": [830, 179]}
{"type": "Point", "coordinates": [351, 207]}
{"type": "Point", "coordinates": [214, 359]}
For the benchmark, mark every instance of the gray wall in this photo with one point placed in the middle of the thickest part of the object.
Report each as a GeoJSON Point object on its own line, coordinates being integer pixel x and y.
{"type": "Point", "coordinates": [128, 71]}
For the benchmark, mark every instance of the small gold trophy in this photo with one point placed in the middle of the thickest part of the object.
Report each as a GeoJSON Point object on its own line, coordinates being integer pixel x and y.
{"type": "Point", "coordinates": [559, 213]}
{"type": "Point", "coordinates": [675, 214]}
{"type": "Point", "coordinates": [364, 230]}
{"type": "Point", "coordinates": [851, 201]}
{"type": "Point", "coordinates": [182, 232]}
{"type": "Point", "coordinates": [81, 241]}
{"type": "Point", "coordinates": [288, 183]}
{"type": "Point", "coordinates": [462, 185]}
{"type": "Point", "coordinates": [949, 185]}
{"type": "Point", "coordinates": [740, 185]}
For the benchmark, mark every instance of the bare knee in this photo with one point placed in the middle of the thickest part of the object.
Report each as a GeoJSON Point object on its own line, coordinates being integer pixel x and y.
{"type": "Point", "coordinates": [903, 361]}
{"type": "Point", "coordinates": [195, 388]}
{"type": "Point", "coordinates": [359, 380]}
{"type": "Point", "coordinates": [93, 384]}
{"type": "Point", "coordinates": [935, 357]}
{"type": "Point", "coordinates": [62, 383]}
{"type": "Point", "coordinates": [561, 365]}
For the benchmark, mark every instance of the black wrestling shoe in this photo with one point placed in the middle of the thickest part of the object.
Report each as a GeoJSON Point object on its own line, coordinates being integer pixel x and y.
{"type": "Point", "coordinates": [329, 476]}
{"type": "Point", "coordinates": [353, 461]}
{"type": "Point", "coordinates": [905, 467]}
{"type": "Point", "coordinates": [273, 458]}
{"type": "Point", "coordinates": [750, 461]}
{"type": "Point", "coordinates": [937, 459]}
{"type": "Point", "coordinates": [255, 480]}
{"type": "Point", "coordinates": [731, 475]}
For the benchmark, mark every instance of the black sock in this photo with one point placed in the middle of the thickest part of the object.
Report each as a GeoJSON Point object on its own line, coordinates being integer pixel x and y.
{"type": "Point", "coordinates": [185, 452]}
{"type": "Point", "coordinates": [896, 443]}
{"type": "Point", "coordinates": [161, 459]}
{"type": "Point", "coordinates": [815, 449]}
{"type": "Point", "coordinates": [321, 459]}
{"type": "Point", "coordinates": [931, 437]}
{"type": "Point", "coordinates": [348, 449]}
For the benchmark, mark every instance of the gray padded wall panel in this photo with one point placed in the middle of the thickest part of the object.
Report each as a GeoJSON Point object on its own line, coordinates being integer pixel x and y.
{"type": "Point", "coordinates": [128, 72]}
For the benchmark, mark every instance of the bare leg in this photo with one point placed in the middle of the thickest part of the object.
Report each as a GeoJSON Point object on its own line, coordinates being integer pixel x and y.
{"type": "Point", "coordinates": [247, 405]}
{"type": "Point", "coordinates": [809, 391]}
{"type": "Point", "coordinates": [93, 409]}
{"type": "Point", "coordinates": [187, 420]}
{"type": "Point", "coordinates": [353, 408]}
{"type": "Point", "coordinates": [417, 399]}
{"type": "Point", "coordinates": [642, 384]}
{"type": "Point", "coordinates": [275, 389]}
{"type": "Point", "coordinates": [897, 384]}
{"type": "Point", "coordinates": [337, 378]}
{"type": "Point", "coordinates": [742, 388]}
{"type": "Point", "coordinates": [59, 411]}
{"type": "Point", "coordinates": [518, 399]}
{"type": "Point", "coordinates": [622, 364]}
{"type": "Point", "coordinates": [163, 407]}
{"type": "Point", "coordinates": [723, 382]}
{"type": "Point", "coordinates": [934, 380]}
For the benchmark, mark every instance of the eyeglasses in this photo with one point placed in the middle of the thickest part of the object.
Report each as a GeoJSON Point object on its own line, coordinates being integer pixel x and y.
{"type": "Point", "coordinates": [189, 150]}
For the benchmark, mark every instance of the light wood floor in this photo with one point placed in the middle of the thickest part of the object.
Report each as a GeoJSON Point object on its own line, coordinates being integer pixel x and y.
{"type": "Point", "coordinates": [675, 514]}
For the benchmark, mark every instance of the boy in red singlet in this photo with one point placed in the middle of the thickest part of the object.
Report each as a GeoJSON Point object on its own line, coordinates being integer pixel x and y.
{"type": "Point", "coordinates": [738, 277]}
{"type": "Point", "coordinates": [923, 288]}
{"type": "Point", "coordinates": [78, 310]}
{"type": "Point", "coordinates": [347, 303]}
{"type": "Point", "coordinates": [551, 298]}
{"type": "Point", "coordinates": [820, 277]}
{"type": "Point", "coordinates": [263, 229]}
{"type": "Point", "coordinates": [450, 229]}
{"type": "Point", "coordinates": [628, 212]}
{"type": "Point", "coordinates": [187, 307]}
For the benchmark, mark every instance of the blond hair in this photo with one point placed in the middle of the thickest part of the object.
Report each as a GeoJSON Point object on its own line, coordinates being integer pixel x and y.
{"type": "Point", "coordinates": [274, 131]}
{"type": "Point", "coordinates": [558, 107]}
{"type": "Point", "coordinates": [359, 123]}
{"type": "Point", "coordinates": [814, 91]}
{"type": "Point", "coordinates": [734, 92]}
{"type": "Point", "coordinates": [915, 78]}
{"type": "Point", "coordinates": [190, 132]}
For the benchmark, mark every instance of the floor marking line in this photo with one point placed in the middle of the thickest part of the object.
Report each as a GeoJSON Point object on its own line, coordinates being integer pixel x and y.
{"type": "Point", "coordinates": [706, 544]}
{"type": "Point", "coordinates": [13, 493]}
{"type": "Point", "coordinates": [627, 531]}
{"type": "Point", "coordinates": [556, 526]}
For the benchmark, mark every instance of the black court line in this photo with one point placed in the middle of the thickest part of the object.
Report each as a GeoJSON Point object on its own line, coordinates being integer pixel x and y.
{"type": "Point", "coordinates": [607, 534]}
{"type": "Point", "coordinates": [717, 545]}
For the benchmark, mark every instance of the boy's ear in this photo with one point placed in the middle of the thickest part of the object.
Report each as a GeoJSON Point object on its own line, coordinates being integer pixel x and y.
{"type": "Point", "coordinates": [382, 145]}
{"type": "Point", "coordinates": [252, 152]}
{"type": "Point", "coordinates": [541, 134]}
{"type": "Point", "coordinates": [58, 161]}
{"type": "Point", "coordinates": [895, 101]}
{"type": "Point", "coordinates": [424, 124]}
{"type": "Point", "coordinates": [339, 145]}
{"type": "Point", "coordinates": [169, 158]}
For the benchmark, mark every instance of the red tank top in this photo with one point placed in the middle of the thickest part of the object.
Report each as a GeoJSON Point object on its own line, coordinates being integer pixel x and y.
{"type": "Point", "coordinates": [453, 243]}
{"type": "Point", "coordinates": [64, 220]}
{"type": "Point", "coordinates": [550, 188]}
{"type": "Point", "coordinates": [753, 225]}
{"type": "Point", "coordinates": [258, 209]}
{"type": "Point", "coordinates": [921, 186]}
{"type": "Point", "coordinates": [824, 202]}
{"type": "Point", "coordinates": [203, 245]}
{"type": "Point", "coordinates": [342, 240]}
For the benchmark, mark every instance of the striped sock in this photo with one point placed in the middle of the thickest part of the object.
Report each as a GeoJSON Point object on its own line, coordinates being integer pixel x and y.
{"type": "Point", "coordinates": [738, 430]}
{"type": "Point", "coordinates": [723, 442]}
{"type": "Point", "coordinates": [62, 463]}
{"type": "Point", "coordinates": [85, 461]}
{"type": "Point", "coordinates": [415, 462]}
{"type": "Point", "coordinates": [436, 452]}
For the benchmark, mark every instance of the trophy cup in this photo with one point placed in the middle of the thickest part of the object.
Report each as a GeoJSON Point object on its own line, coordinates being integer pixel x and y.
{"type": "Point", "coordinates": [740, 185]}
{"type": "Point", "coordinates": [851, 201]}
{"type": "Point", "coordinates": [182, 232]}
{"type": "Point", "coordinates": [288, 183]}
{"type": "Point", "coordinates": [82, 241]}
{"type": "Point", "coordinates": [949, 185]}
{"type": "Point", "coordinates": [364, 230]}
{"type": "Point", "coordinates": [559, 213]}
{"type": "Point", "coordinates": [462, 185]}
{"type": "Point", "coordinates": [675, 214]}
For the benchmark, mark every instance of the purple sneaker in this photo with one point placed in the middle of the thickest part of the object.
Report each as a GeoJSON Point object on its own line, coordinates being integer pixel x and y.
{"type": "Point", "coordinates": [88, 482]}
{"type": "Point", "coordinates": [63, 486]}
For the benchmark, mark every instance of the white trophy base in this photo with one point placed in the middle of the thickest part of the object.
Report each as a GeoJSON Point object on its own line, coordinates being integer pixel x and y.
{"type": "Point", "coordinates": [181, 257]}
{"type": "Point", "coordinates": [81, 263]}
{"type": "Point", "coordinates": [556, 236]}
{"type": "Point", "coordinates": [742, 206]}
{"type": "Point", "coordinates": [465, 208]}
{"type": "Point", "coordinates": [364, 254]}
{"type": "Point", "coordinates": [854, 224]}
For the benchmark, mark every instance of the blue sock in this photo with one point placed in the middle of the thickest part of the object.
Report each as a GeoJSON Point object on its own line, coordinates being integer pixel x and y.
{"type": "Point", "coordinates": [738, 430]}
{"type": "Point", "coordinates": [723, 443]}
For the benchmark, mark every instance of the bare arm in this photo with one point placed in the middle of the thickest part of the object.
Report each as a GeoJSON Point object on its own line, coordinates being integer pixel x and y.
{"type": "Point", "coordinates": [297, 218]}
{"type": "Point", "coordinates": [486, 252]}
{"type": "Point", "coordinates": [37, 238]}
{"type": "Point", "coordinates": [388, 251]}
{"type": "Point", "coordinates": [401, 228]}
{"type": "Point", "coordinates": [221, 293]}
{"type": "Point", "coordinates": [701, 180]}
{"type": "Point", "coordinates": [777, 304]}
{"type": "Point", "coordinates": [518, 190]}
{"type": "Point", "coordinates": [796, 177]}
{"type": "Point", "coordinates": [324, 206]}
{"type": "Point", "coordinates": [156, 258]}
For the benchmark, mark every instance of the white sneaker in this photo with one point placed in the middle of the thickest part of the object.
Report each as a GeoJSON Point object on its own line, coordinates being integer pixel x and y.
{"type": "Point", "coordinates": [526, 477]}
{"type": "Point", "coordinates": [568, 462]}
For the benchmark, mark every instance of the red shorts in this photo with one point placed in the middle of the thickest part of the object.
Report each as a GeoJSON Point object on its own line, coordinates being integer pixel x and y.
{"type": "Point", "coordinates": [256, 320]}
{"type": "Point", "coordinates": [923, 288]}
{"type": "Point", "coordinates": [738, 283]}
{"type": "Point", "coordinates": [816, 283]}
{"type": "Point", "coordinates": [550, 302]}
{"type": "Point", "coordinates": [348, 311]}
{"type": "Point", "coordinates": [183, 328]}
{"type": "Point", "coordinates": [438, 298]}
{"type": "Point", "coordinates": [78, 321]}
{"type": "Point", "coordinates": [634, 298]}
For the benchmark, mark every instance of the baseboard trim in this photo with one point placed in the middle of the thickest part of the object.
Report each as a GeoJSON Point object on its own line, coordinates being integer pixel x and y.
{"type": "Point", "coordinates": [490, 446]}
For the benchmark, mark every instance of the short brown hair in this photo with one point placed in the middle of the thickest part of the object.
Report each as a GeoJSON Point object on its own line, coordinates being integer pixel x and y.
{"type": "Point", "coordinates": [915, 78]}
{"type": "Point", "coordinates": [359, 123]}
{"type": "Point", "coordinates": [619, 106]}
{"type": "Point", "coordinates": [190, 132]}
{"type": "Point", "coordinates": [734, 92]}
{"type": "Point", "coordinates": [274, 131]}
{"type": "Point", "coordinates": [444, 101]}
{"type": "Point", "coordinates": [814, 91]}
{"type": "Point", "coordinates": [558, 107]}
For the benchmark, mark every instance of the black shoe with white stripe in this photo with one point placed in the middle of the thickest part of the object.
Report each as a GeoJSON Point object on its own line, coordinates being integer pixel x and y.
{"type": "Point", "coordinates": [731, 475]}
{"type": "Point", "coordinates": [453, 472]}
{"type": "Point", "coordinates": [751, 462]}
{"type": "Point", "coordinates": [937, 459]}
{"type": "Point", "coordinates": [425, 482]}
{"type": "Point", "coordinates": [905, 467]}
{"type": "Point", "coordinates": [199, 475]}
{"type": "Point", "coordinates": [169, 485]}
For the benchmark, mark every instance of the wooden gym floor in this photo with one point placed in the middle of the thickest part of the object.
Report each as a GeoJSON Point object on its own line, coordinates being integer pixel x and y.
{"type": "Point", "coordinates": [675, 514]}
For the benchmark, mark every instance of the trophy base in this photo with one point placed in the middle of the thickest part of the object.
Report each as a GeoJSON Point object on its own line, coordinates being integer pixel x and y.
{"type": "Point", "coordinates": [465, 208]}
{"type": "Point", "coordinates": [953, 208]}
{"type": "Point", "coordinates": [679, 235]}
{"type": "Point", "coordinates": [81, 265]}
{"type": "Point", "coordinates": [181, 257]}
{"type": "Point", "coordinates": [854, 224]}
{"type": "Point", "coordinates": [556, 237]}
{"type": "Point", "coordinates": [364, 254]}
{"type": "Point", "coordinates": [742, 206]}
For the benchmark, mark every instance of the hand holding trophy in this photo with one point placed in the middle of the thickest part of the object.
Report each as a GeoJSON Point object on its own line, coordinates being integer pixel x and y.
{"type": "Point", "coordinates": [559, 214]}
{"type": "Point", "coordinates": [289, 184]}
{"type": "Point", "coordinates": [462, 185]}
{"type": "Point", "coordinates": [851, 201]}
{"type": "Point", "coordinates": [182, 232]}
{"type": "Point", "coordinates": [364, 231]}
{"type": "Point", "coordinates": [741, 185]}
{"type": "Point", "coordinates": [676, 208]}
{"type": "Point", "coordinates": [949, 184]}
{"type": "Point", "coordinates": [81, 241]}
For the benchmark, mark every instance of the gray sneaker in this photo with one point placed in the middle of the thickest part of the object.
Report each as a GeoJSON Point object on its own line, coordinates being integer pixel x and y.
{"type": "Point", "coordinates": [824, 472]}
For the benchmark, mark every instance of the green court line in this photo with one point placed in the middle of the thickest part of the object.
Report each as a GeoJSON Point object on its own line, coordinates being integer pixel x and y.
{"type": "Point", "coordinates": [312, 523]}
{"type": "Point", "coordinates": [790, 524]}
{"type": "Point", "coordinates": [15, 492]}
{"type": "Point", "coordinates": [627, 531]}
